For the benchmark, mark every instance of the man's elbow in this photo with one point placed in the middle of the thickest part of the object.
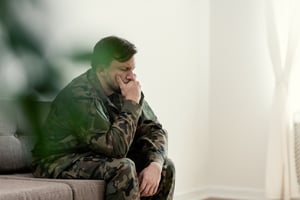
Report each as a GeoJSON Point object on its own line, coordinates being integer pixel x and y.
{"type": "Point", "coordinates": [120, 150]}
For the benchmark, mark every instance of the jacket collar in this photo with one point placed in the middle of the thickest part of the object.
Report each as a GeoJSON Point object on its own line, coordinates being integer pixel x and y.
{"type": "Point", "coordinates": [92, 77]}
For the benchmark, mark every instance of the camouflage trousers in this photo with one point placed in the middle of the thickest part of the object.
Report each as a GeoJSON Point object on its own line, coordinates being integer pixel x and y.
{"type": "Point", "coordinates": [120, 176]}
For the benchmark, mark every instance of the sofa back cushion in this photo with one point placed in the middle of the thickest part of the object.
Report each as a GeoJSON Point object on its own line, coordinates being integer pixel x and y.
{"type": "Point", "coordinates": [20, 123]}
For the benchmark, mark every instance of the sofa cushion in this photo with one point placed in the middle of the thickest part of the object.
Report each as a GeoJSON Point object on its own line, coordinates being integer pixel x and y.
{"type": "Point", "coordinates": [19, 123]}
{"type": "Point", "coordinates": [12, 189]}
{"type": "Point", "coordinates": [12, 154]}
{"type": "Point", "coordinates": [82, 189]}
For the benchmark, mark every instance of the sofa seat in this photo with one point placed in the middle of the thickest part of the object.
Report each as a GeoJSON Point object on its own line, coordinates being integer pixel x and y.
{"type": "Point", "coordinates": [13, 189]}
{"type": "Point", "coordinates": [25, 186]}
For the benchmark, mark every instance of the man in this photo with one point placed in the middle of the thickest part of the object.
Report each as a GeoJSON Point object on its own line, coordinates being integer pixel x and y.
{"type": "Point", "coordinates": [100, 127]}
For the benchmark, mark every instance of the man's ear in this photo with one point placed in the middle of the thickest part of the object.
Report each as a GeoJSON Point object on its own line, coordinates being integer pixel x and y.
{"type": "Point", "coordinates": [100, 70]}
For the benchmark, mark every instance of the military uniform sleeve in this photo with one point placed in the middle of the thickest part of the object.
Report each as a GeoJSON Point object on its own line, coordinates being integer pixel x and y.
{"type": "Point", "coordinates": [99, 133]}
{"type": "Point", "coordinates": [152, 138]}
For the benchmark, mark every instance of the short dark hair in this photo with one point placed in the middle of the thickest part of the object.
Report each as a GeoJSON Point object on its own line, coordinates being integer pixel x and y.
{"type": "Point", "coordinates": [111, 48]}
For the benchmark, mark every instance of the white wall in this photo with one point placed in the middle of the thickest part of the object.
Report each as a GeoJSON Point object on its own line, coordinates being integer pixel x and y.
{"type": "Point", "coordinates": [172, 38]}
{"type": "Point", "coordinates": [241, 86]}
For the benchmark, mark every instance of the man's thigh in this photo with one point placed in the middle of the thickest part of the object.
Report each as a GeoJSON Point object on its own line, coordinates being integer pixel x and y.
{"type": "Point", "coordinates": [95, 167]}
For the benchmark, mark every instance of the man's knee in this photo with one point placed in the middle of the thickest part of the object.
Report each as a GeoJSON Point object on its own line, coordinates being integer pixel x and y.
{"type": "Point", "coordinates": [122, 166]}
{"type": "Point", "coordinates": [168, 175]}
{"type": "Point", "coordinates": [127, 164]}
{"type": "Point", "coordinates": [170, 167]}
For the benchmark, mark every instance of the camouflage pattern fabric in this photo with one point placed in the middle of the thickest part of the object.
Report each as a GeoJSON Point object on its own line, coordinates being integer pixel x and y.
{"type": "Point", "coordinates": [89, 135]}
{"type": "Point", "coordinates": [120, 175]}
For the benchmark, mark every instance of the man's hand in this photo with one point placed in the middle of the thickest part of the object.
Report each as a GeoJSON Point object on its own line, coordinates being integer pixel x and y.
{"type": "Point", "coordinates": [130, 90]}
{"type": "Point", "coordinates": [149, 179]}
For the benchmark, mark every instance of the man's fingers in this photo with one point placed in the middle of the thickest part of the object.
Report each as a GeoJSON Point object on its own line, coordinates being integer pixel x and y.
{"type": "Point", "coordinates": [149, 179]}
{"type": "Point", "coordinates": [149, 190]}
{"type": "Point", "coordinates": [147, 187]}
{"type": "Point", "coordinates": [142, 182]}
{"type": "Point", "coordinates": [120, 82]}
{"type": "Point", "coordinates": [146, 191]}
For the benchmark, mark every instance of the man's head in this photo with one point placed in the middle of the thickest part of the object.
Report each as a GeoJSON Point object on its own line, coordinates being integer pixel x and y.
{"type": "Point", "coordinates": [113, 57]}
{"type": "Point", "coordinates": [109, 49]}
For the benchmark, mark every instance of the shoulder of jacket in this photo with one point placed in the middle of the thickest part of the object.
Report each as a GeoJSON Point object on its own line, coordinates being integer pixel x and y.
{"type": "Point", "coordinates": [147, 111]}
{"type": "Point", "coordinates": [79, 87]}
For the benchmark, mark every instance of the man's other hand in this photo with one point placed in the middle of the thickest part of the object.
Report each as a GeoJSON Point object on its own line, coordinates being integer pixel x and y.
{"type": "Point", "coordinates": [149, 179]}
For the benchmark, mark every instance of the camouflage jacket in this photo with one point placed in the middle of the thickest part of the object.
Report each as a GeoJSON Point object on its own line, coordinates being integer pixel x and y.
{"type": "Point", "coordinates": [83, 119]}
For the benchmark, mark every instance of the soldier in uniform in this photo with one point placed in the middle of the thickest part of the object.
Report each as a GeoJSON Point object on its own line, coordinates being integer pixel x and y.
{"type": "Point", "coordinates": [101, 127]}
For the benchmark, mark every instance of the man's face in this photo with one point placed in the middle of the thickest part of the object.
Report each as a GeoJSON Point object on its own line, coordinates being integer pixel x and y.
{"type": "Point", "coordinates": [122, 69]}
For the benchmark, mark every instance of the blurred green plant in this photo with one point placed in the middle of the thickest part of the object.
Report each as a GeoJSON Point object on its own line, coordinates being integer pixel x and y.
{"type": "Point", "coordinates": [42, 77]}
{"type": "Point", "coordinates": [19, 41]}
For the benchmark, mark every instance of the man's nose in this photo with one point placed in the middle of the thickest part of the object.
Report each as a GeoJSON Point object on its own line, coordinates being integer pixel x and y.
{"type": "Point", "coordinates": [130, 76]}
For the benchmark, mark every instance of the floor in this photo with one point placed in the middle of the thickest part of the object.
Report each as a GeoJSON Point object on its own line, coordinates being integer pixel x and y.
{"type": "Point", "coordinates": [217, 199]}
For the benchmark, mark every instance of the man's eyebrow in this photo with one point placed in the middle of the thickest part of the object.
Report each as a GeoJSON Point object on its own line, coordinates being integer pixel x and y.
{"type": "Point", "coordinates": [126, 67]}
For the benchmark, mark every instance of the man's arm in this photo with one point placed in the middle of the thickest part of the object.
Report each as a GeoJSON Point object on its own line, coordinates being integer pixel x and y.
{"type": "Point", "coordinates": [100, 135]}
{"type": "Point", "coordinates": [152, 139]}
{"type": "Point", "coordinates": [110, 138]}
{"type": "Point", "coordinates": [152, 145]}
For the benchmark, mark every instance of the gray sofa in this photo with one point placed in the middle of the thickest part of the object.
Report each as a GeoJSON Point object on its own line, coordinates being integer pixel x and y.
{"type": "Point", "coordinates": [19, 124]}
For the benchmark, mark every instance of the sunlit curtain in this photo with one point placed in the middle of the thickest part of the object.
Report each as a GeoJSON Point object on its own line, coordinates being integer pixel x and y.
{"type": "Point", "coordinates": [282, 22]}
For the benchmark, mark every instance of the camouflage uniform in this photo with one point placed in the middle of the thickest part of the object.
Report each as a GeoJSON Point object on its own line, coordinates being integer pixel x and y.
{"type": "Point", "coordinates": [88, 135]}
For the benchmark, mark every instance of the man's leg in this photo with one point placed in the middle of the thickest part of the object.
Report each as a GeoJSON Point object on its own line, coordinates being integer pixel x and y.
{"type": "Point", "coordinates": [119, 174]}
{"type": "Point", "coordinates": [167, 183]}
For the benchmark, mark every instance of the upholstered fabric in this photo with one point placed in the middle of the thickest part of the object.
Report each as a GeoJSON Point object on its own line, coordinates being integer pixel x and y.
{"type": "Point", "coordinates": [81, 189]}
{"type": "Point", "coordinates": [12, 154]}
{"type": "Point", "coordinates": [12, 189]}
{"type": "Point", "coordinates": [18, 124]}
